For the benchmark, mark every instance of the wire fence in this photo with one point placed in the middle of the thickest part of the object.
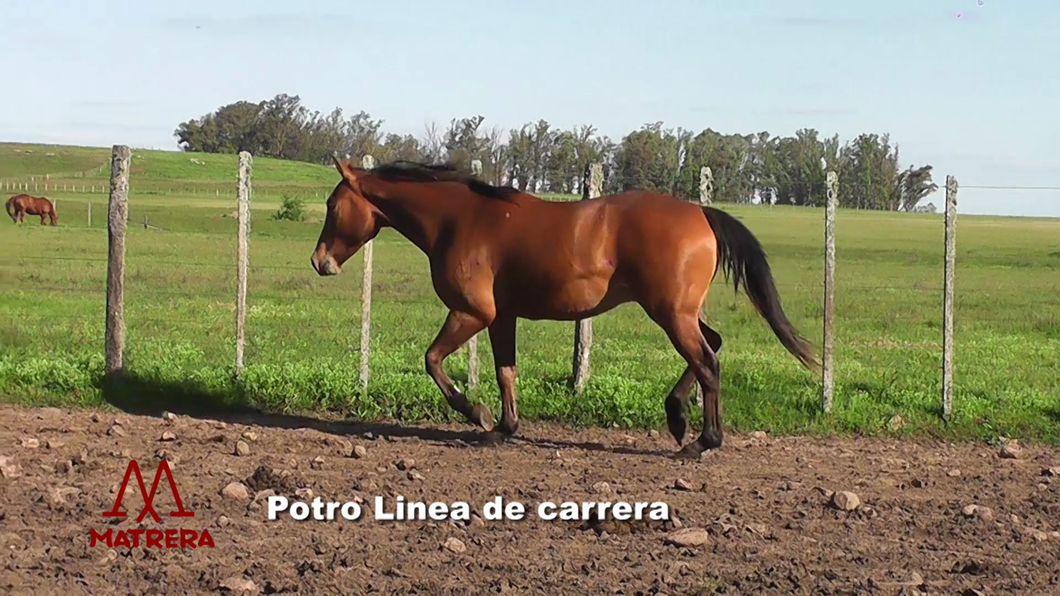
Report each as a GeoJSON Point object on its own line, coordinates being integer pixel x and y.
{"type": "Point", "coordinates": [177, 297]}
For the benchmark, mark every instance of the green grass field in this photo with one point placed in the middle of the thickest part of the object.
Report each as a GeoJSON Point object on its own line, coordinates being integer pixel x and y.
{"type": "Point", "coordinates": [303, 330]}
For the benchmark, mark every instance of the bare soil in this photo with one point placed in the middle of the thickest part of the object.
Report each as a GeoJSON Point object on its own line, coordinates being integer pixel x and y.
{"type": "Point", "coordinates": [770, 522]}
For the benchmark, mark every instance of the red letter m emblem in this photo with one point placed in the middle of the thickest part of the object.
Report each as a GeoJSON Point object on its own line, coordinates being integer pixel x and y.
{"type": "Point", "coordinates": [148, 498]}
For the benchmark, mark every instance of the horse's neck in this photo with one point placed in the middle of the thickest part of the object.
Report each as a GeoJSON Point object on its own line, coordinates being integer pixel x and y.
{"type": "Point", "coordinates": [417, 215]}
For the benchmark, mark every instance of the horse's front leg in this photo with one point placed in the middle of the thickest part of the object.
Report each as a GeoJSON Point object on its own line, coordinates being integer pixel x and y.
{"type": "Point", "coordinates": [459, 327]}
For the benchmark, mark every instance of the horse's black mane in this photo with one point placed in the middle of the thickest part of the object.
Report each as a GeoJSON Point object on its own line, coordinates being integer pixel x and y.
{"type": "Point", "coordinates": [412, 171]}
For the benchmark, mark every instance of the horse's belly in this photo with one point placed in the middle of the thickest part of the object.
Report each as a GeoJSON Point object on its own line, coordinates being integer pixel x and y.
{"type": "Point", "coordinates": [576, 299]}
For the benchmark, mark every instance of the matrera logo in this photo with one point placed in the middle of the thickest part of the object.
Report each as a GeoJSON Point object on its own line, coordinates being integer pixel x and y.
{"type": "Point", "coordinates": [169, 538]}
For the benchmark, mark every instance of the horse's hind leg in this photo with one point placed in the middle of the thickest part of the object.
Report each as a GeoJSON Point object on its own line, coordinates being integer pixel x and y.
{"type": "Point", "coordinates": [685, 334]}
{"type": "Point", "coordinates": [502, 338]}
{"type": "Point", "coordinates": [458, 329]}
{"type": "Point", "coordinates": [677, 400]}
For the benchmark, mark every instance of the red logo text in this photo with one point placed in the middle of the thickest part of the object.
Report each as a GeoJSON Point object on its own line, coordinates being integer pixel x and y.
{"type": "Point", "coordinates": [150, 538]}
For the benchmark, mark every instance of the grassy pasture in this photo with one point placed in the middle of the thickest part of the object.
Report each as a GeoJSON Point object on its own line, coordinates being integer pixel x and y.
{"type": "Point", "coordinates": [303, 331]}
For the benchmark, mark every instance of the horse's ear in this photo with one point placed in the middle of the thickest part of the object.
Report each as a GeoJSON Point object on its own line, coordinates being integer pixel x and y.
{"type": "Point", "coordinates": [344, 168]}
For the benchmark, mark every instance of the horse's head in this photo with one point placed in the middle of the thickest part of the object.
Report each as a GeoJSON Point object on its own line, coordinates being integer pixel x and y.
{"type": "Point", "coordinates": [351, 221]}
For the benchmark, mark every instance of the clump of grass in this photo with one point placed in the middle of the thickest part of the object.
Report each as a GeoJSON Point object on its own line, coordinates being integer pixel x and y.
{"type": "Point", "coordinates": [291, 209]}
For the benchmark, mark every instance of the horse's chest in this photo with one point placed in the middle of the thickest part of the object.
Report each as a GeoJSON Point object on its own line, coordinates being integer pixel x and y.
{"type": "Point", "coordinates": [455, 276]}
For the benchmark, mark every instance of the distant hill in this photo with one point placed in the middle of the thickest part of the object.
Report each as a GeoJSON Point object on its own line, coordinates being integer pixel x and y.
{"type": "Point", "coordinates": [154, 171]}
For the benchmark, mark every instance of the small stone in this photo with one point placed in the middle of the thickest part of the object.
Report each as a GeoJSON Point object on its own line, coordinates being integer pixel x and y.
{"type": "Point", "coordinates": [414, 475]}
{"type": "Point", "coordinates": [116, 431]}
{"type": "Point", "coordinates": [110, 557]}
{"type": "Point", "coordinates": [1051, 472]}
{"type": "Point", "coordinates": [1010, 450]}
{"type": "Point", "coordinates": [914, 579]}
{"type": "Point", "coordinates": [476, 521]}
{"type": "Point", "coordinates": [755, 528]}
{"type": "Point", "coordinates": [846, 500]}
{"type": "Point", "coordinates": [235, 491]}
{"type": "Point", "coordinates": [359, 451]}
{"type": "Point", "coordinates": [9, 468]}
{"type": "Point", "coordinates": [687, 537]}
{"type": "Point", "coordinates": [406, 464]}
{"type": "Point", "coordinates": [169, 416]}
{"type": "Point", "coordinates": [895, 422]}
{"type": "Point", "coordinates": [242, 448]}
{"type": "Point", "coordinates": [759, 435]}
{"type": "Point", "coordinates": [682, 484]}
{"type": "Point", "coordinates": [56, 497]}
{"type": "Point", "coordinates": [94, 417]}
{"type": "Point", "coordinates": [1015, 519]}
{"type": "Point", "coordinates": [250, 435]}
{"type": "Point", "coordinates": [317, 462]}
{"type": "Point", "coordinates": [1037, 535]}
{"type": "Point", "coordinates": [169, 457]}
{"type": "Point", "coordinates": [169, 436]}
{"type": "Point", "coordinates": [653, 434]}
{"type": "Point", "coordinates": [239, 585]}
{"type": "Point", "coordinates": [954, 473]}
{"type": "Point", "coordinates": [603, 488]}
{"type": "Point", "coordinates": [53, 443]}
{"type": "Point", "coordinates": [220, 425]}
{"type": "Point", "coordinates": [455, 545]}
{"type": "Point", "coordinates": [345, 448]}
{"type": "Point", "coordinates": [30, 442]}
{"type": "Point", "coordinates": [223, 521]}
{"type": "Point", "coordinates": [306, 494]}
{"type": "Point", "coordinates": [369, 435]}
{"type": "Point", "coordinates": [983, 513]}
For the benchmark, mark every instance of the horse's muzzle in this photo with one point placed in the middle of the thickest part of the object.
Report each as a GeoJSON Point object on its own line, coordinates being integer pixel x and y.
{"type": "Point", "coordinates": [325, 266]}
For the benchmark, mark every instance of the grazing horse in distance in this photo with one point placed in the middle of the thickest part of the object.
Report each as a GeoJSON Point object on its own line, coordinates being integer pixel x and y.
{"type": "Point", "coordinates": [497, 254]}
{"type": "Point", "coordinates": [19, 205]}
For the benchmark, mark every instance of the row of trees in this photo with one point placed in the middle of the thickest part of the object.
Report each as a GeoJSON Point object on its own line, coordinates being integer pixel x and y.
{"type": "Point", "coordinates": [539, 158]}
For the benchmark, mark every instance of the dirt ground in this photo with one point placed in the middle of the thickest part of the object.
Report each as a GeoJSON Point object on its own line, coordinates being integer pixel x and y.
{"type": "Point", "coordinates": [767, 519]}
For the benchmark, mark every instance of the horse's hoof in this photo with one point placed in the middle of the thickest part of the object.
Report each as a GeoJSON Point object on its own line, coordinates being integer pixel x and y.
{"type": "Point", "coordinates": [678, 430]}
{"type": "Point", "coordinates": [481, 416]}
{"type": "Point", "coordinates": [710, 439]}
{"type": "Point", "coordinates": [692, 451]}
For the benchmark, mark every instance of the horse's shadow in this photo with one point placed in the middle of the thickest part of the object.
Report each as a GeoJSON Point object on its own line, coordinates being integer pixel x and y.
{"type": "Point", "coordinates": [133, 394]}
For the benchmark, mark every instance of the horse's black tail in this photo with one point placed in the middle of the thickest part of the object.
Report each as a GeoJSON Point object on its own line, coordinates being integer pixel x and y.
{"type": "Point", "coordinates": [10, 206]}
{"type": "Point", "coordinates": [744, 262]}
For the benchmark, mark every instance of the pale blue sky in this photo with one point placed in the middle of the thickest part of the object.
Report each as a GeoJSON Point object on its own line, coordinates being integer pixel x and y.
{"type": "Point", "coordinates": [975, 96]}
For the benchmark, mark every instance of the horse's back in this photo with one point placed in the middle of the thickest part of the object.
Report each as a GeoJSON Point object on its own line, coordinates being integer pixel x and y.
{"type": "Point", "coordinates": [563, 260]}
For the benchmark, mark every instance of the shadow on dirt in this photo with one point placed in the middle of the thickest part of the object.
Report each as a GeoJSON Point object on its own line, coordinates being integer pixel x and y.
{"type": "Point", "coordinates": [129, 393]}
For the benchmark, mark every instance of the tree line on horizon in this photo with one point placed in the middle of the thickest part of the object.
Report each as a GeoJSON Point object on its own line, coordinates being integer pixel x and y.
{"type": "Point", "coordinates": [540, 158]}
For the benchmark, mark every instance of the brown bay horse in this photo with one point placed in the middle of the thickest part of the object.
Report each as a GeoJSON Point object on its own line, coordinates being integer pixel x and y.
{"type": "Point", "coordinates": [19, 205]}
{"type": "Point", "coordinates": [497, 255]}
